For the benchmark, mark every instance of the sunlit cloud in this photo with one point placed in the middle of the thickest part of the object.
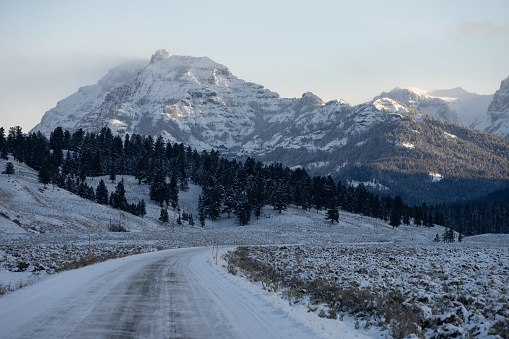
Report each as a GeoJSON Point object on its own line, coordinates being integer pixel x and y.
{"type": "Point", "coordinates": [486, 29]}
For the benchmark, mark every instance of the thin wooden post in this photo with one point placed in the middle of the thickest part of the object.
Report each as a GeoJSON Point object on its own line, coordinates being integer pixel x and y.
{"type": "Point", "coordinates": [90, 249]}
{"type": "Point", "coordinates": [217, 246]}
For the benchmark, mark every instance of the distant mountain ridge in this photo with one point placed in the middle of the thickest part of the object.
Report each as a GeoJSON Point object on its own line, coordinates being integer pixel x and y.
{"type": "Point", "coordinates": [454, 105]}
{"type": "Point", "coordinates": [488, 113]}
{"type": "Point", "coordinates": [200, 103]}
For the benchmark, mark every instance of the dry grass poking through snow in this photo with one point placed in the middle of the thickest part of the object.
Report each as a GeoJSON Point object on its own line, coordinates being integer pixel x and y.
{"type": "Point", "coordinates": [40, 260]}
{"type": "Point", "coordinates": [428, 292]}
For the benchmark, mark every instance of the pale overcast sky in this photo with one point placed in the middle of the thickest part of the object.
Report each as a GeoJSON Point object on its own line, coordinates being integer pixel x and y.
{"type": "Point", "coordinates": [350, 50]}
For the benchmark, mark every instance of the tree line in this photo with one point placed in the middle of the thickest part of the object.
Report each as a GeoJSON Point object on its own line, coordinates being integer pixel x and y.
{"type": "Point", "coordinates": [230, 188]}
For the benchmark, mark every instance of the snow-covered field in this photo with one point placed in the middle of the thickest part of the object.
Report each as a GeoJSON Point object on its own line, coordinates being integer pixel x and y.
{"type": "Point", "coordinates": [456, 288]}
{"type": "Point", "coordinates": [438, 290]}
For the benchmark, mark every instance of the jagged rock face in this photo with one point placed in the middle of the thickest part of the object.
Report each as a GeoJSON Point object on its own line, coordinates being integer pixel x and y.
{"type": "Point", "coordinates": [454, 105]}
{"type": "Point", "coordinates": [499, 107]}
{"type": "Point", "coordinates": [498, 111]}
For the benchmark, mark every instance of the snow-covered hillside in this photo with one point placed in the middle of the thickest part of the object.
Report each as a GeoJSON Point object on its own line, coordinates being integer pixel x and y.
{"type": "Point", "coordinates": [26, 206]}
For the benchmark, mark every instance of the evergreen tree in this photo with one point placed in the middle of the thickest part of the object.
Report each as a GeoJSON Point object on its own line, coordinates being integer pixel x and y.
{"type": "Point", "coordinates": [119, 199]}
{"type": "Point", "coordinates": [58, 155]}
{"type": "Point", "coordinates": [332, 215]}
{"type": "Point", "coordinates": [159, 189]}
{"type": "Point", "coordinates": [45, 173]}
{"type": "Point", "coordinates": [182, 174]}
{"type": "Point", "coordinates": [113, 175]}
{"type": "Point", "coordinates": [57, 138]}
{"type": "Point", "coordinates": [142, 209]}
{"type": "Point", "coordinates": [201, 211]}
{"type": "Point", "coordinates": [406, 217]}
{"type": "Point", "coordinates": [173, 192]}
{"type": "Point", "coordinates": [212, 198]}
{"type": "Point", "coordinates": [316, 193]}
{"type": "Point", "coordinates": [90, 193]}
{"type": "Point", "coordinates": [3, 145]}
{"type": "Point", "coordinates": [361, 200]}
{"type": "Point", "coordinates": [164, 217]}
{"type": "Point", "coordinates": [16, 140]}
{"type": "Point", "coordinates": [242, 208]}
{"type": "Point", "coordinates": [257, 194]}
{"type": "Point", "coordinates": [9, 169]}
{"type": "Point", "coordinates": [376, 209]}
{"type": "Point", "coordinates": [229, 202]}
{"type": "Point", "coordinates": [397, 211]}
{"type": "Point", "coordinates": [451, 235]}
{"type": "Point", "coordinates": [448, 235]}
{"type": "Point", "coordinates": [417, 216]}
{"type": "Point", "coordinates": [3, 151]}
{"type": "Point", "coordinates": [2, 137]}
{"type": "Point", "coordinates": [83, 190]}
{"type": "Point", "coordinates": [395, 219]}
{"type": "Point", "coordinates": [101, 193]}
{"type": "Point", "coordinates": [330, 198]}
{"type": "Point", "coordinates": [141, 169]}
{"type": "Point", "coordinates": [470, 230]}
{"type": "Point", "coordinates": [280, 197]}
{"type": "Point", "coordinates": [68, 164]}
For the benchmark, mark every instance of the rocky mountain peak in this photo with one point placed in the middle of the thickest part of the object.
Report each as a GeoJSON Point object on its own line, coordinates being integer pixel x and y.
{"type": "Point", "coordinates": [499, 107]}
{"type": "Point", "coordinates": [159, 55]}
{"type": "Point", "coordinates": [312, 99]}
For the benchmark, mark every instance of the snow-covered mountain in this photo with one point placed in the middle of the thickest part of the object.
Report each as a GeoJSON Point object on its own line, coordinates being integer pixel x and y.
{"type": "Point", "coordinates": [200, 103]}
{"type": "Point", "coordinates": [497, 120]}
{"type": "Point", "coordinates": [454, 105]}
{"type": "Point", "coordinates": [71, 111]}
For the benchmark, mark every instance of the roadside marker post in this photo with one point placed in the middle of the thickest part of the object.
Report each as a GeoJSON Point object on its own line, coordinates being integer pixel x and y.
{"type": "Point", "coordinates": [90, 249]}
{"type": "Point", "coordinates": [217, 245]}
{"type": "Point", "coordinates": [214, 245]}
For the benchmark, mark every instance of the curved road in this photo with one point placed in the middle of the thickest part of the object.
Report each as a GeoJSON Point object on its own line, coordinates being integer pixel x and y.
{"type": "Point", "coordinates": [167, 294]}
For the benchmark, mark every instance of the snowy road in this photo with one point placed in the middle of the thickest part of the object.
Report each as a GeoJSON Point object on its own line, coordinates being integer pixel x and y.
{"type": "Point", "coordinates": [167, 294]}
